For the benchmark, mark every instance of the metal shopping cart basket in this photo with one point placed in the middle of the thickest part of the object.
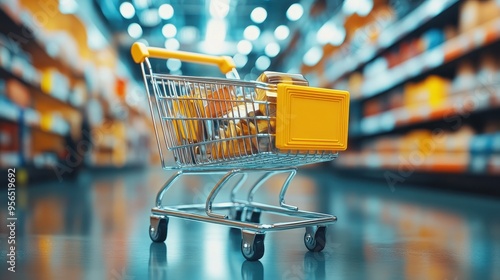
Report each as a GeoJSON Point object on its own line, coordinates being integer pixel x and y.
{"type": "Point", "coordinates": [235, 128]}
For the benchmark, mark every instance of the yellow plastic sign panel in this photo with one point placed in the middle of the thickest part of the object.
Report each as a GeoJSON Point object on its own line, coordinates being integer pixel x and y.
{"type": "Point", "coordinates": [309, 118]}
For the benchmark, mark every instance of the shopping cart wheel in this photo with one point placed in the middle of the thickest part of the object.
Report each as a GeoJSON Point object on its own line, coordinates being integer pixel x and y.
{"type": "Point", "coordinates": [236, 213]}
{"type": "Point", "coordinates": [158, 228]}
{"type": "Point", "coordinates": [252, 245]}
{"type": "Point", "coordinates": [315, 238]}
{"type": "Point", "coordinates": [253, 216]}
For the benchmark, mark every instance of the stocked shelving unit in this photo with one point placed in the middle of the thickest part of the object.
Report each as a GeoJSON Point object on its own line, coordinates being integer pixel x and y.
{"type": "Point", "coordinates": [425, 91]}
{"type": "Point", "coordinates": [50, 128]}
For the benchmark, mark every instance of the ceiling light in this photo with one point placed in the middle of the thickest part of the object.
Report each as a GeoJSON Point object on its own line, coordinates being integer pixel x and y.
{"type": "Point", "coordinates": [366, 8]}
{"type": "Point", "coordinates": [281, 32]}
{"type": "Point", "coordinates": [95, 38]}
{"type": "Point", "coordinates": [251, 33]}
{"type": "Point", "coordinates": [360, 7]}
{"type": "Point", "coordinates": [166, 11]}
{"type": "Point", "coordinates": [68, 6]}
{"type": "Point", "coordinates": [169, 30]}
{"type": "Point", "coordinates": [188, 34]}
{"type": "Point", "coordinates": [127, 10]}
{"type": "Point", "coordinates": [350, 6]}
{"type": "Point", "coordinates": [150, 18]}
{"type": "Point", "coordinates": [244, 47]}
{"type": "Point", "coordinates": [174, 64]}
{"type": "Point", "coordinates": [216, 30]}
{"type": "Point", "coordinates": [141, 4]}
{"type": "Point", "coordinates": [258, 15]}
{"type": "Point", "coordinates": [219, 8]}
{"type": "Point", "coordinates": [262, 63]}
{"type": "Point", "coordinates": [134, 30]}
{"type": "Point", "coordinates": [272, 49]}
{"type": "Point", "coordinates": [295, 12]}
{"type": "Point", "coordinates": [313, 56]}
{"type": "Point", "coordinates": [215, 35]}
{"type": "Point", "coordinates": [144, 41]}
{"type": "Point", "coordinates": [240, 60]}
{"type": "Point", "coordinates": [331, 33]}
{"type": "Point", "coordinates": [172, 44]}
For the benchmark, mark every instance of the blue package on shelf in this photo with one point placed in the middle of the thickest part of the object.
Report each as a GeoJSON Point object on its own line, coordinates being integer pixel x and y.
{"type": "Point", "coordinates": [433, 38]}
{"type": "Point", "coordinates": [478, 163]}
{"type": "Point", "coordinates": [9, 110]}
{"type": "Point", "coordinates": [495, 143]}
{"type": "Point", "coordinates": [482, 144]}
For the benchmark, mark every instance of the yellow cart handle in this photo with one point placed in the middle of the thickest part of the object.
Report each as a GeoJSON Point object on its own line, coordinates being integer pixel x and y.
{"type": "Point", "coordinates": [140, 52]}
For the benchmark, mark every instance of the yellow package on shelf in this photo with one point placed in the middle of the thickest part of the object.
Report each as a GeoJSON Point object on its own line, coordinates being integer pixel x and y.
{"type": "Point", "coordinates": [55, 84]}
{"type": "Point", "coordinates": [46, 121]}
{"type": "Point", "coordinates": [437, 88]}
{"type": "Point", "coordinates": [46, 82]}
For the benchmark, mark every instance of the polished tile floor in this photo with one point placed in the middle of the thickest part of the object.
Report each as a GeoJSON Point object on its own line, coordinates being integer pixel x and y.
{"type": "Point", "coordinates": [96, 228]}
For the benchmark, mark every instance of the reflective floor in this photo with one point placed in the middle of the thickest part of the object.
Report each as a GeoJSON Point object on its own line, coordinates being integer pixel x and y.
{"type": "Point", "coordinates": [96, 228]}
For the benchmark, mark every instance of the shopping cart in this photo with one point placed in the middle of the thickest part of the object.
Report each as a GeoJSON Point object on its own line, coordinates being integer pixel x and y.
{"type": "Point", "coordinates": [222, 126]}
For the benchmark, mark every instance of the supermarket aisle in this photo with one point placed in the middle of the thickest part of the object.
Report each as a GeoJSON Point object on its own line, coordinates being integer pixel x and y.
{"type": "Point", "coordinates": [96, 229]}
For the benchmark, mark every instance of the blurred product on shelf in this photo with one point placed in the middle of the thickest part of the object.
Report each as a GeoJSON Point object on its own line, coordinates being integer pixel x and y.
{"type": "Point", "coordinates": [474, 13]}
{"type": "Point", "coordinates": [9, 144]}
{"type": "Point", "coordinates": [461, 151]}
{"type": "Point", "coordinates": [18, 93]}
{"type": "Point", "coordinates": [55, 84]}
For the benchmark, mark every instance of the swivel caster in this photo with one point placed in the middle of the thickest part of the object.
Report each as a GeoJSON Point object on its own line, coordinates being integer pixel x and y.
{"type": "Point", "coordinates": [158, 228]}
{"type": "Point", "coordinates": [252, 245]}
{"type": "Point", "coordinates": [315, 238]}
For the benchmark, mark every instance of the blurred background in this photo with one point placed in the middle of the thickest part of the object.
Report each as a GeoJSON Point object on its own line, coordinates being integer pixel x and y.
{"type": "Point", "coordinates": [424, 82]}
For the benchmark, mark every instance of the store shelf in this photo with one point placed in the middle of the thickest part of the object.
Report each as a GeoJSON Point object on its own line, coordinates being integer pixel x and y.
{"type": "Point", "coordinates": [449, 163]}
{"type": "Point", "coordinates": [341, 65]}
{"type": "Point", "coordinates": [449, 51]}
{"type": "Point", "coordinates": [27, 39]}
{"type": "Point", "coordinates": [35, 89]}
{"type": "Point", "coordinates": [480, 99]}
{"type": "Point", "coordinates": [12, 113]}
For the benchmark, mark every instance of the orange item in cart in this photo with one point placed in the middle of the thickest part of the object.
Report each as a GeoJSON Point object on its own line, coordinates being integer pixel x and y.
{"type": "Point", "coordinates": [219, 102]}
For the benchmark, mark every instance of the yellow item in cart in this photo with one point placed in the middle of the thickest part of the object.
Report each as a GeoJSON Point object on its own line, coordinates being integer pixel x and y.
{"type": "Point", "coordinates": [187, 112]}
{"type": "Point", "coordinates": [232, 143]}
{"type": "Point", "coordinates": [200, 103]}
{"type": "Point", "coordinates": [239, 135]}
